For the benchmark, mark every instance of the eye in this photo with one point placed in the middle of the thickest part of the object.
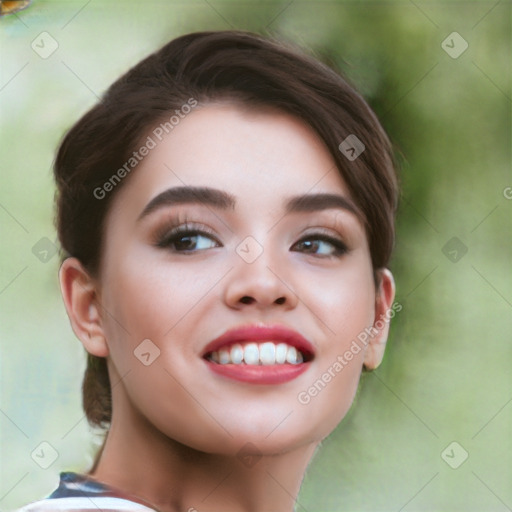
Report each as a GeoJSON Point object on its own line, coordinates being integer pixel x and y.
{"type": "Point", "coordinates": [187, 239]}
{"type": "Point", "coordinates": [321, 245]}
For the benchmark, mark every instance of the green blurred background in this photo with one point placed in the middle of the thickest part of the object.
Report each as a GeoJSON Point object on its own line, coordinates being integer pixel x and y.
{"type": "Point", "coordinates": [446, 376]}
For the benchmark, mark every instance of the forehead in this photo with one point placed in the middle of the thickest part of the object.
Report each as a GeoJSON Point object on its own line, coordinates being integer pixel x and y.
{"type": "Point", "coordinates": [257, 157]}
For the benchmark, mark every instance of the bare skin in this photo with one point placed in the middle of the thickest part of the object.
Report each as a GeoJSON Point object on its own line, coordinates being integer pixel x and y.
{"type": "Point", "coordinates": [182, 436]}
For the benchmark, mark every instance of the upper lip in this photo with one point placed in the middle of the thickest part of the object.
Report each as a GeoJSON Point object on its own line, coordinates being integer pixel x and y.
{"type": "Point", "coordinates": [259, 332]}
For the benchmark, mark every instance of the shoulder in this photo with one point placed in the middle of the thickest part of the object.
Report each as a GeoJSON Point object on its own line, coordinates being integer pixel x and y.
{"type": "Point", "coordinates": [85, 504]}
{"type": "Point", "coordinates": [78, 492]}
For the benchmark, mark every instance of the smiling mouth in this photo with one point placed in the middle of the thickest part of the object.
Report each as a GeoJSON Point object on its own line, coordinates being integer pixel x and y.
{"type": "Point", "coordinates": [265, 353]}
{"type": "Point", "coordinates": [259, 354]}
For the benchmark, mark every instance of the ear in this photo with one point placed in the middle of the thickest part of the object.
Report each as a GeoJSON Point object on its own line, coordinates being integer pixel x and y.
{"type": "Point", "coordinates": [81, 298]}
{"type": "Point", "coordinates": [383, 300]}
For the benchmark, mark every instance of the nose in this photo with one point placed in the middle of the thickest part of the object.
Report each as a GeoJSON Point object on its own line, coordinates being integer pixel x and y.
{"type": "Point", "coordinates": [261, 284]}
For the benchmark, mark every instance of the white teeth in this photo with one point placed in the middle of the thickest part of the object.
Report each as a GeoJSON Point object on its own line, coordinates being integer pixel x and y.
{"type": "Point", "coordinates": [291, 355]}
{"type": "Point", "coordinates": [251, 354]}
{"type": "Point", "coordinates": [281, 350]}
{"type": "Point", "coordinates": [224, 357]}
{"type": "Point", "coordinates": [237, 354]}
{"type": "Point", "coordinates": [267, 353]}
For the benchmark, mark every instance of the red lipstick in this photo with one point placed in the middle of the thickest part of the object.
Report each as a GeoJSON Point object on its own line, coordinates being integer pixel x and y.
{"type": "Point", "coordinates": [260, 373]}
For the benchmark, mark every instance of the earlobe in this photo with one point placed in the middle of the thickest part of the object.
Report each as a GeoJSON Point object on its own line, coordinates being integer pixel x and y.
{"type": "Point", "coordinates": [380, 329]}
{"type": "Point", "coordinates": [80, 295]}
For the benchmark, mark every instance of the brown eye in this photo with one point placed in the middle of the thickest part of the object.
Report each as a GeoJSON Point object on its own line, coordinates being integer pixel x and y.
{"type": "Point", "coordinates": [321, 245]}
{"type": "Point", "coordinates": [10, 7]}
{"type": "Point", "coordinates": [188, 240]}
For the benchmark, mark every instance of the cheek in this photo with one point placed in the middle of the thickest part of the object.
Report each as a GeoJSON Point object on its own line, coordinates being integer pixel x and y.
{"type": "Point", "coordinates": [161, 302]}
{"type": "Point", "coordinates": [149, 300]}
{"type": "Point", "coordinates": [343, 302]}
{"type": "Point", "coordinates": [158, 302]}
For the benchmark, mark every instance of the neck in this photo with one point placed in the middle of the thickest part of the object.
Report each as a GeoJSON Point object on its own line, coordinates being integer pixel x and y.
{"type": "Point", "coordinates": [140, 460]}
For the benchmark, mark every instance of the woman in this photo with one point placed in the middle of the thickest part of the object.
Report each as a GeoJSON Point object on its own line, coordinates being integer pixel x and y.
{"type": "Point", "coordinates": [226, 214]}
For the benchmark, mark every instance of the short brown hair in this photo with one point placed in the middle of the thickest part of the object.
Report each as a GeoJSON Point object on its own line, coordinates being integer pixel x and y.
{"type": "Point", "coordinates": [212, 66]}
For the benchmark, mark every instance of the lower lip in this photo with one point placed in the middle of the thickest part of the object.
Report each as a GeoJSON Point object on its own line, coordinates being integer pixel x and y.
{"type": "Point", "coordinates": [259, 374]}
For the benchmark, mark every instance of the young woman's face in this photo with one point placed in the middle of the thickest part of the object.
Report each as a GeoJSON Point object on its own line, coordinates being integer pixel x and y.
{"type": "Point", "coordinates": [243, 252]}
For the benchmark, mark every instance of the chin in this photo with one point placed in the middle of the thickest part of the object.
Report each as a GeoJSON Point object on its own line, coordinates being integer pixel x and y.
{"type": "Point", "coordinates": [266, 437]}
{"type": "Point", "coordinates": [261, 438]}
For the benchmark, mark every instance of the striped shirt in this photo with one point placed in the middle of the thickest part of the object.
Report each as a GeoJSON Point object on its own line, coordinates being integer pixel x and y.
{"type": "Point", "coordinates": [79, 493]}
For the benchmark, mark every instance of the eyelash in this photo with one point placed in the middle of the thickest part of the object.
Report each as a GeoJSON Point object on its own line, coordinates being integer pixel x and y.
{"type": "Point", "coordinates": [167, 237]}
{"type": "Point", "coordinates": [340, 247]}
{"type": "Point", "coordinates": [170, 236]}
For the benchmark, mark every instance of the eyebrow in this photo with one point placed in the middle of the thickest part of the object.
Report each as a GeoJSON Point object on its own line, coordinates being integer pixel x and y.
{"type": "Point", "coordinates": [221, 200]}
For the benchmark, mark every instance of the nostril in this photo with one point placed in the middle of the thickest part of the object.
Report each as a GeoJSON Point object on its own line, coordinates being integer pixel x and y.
{"type": "Point", "coordinates": [246, 299]}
